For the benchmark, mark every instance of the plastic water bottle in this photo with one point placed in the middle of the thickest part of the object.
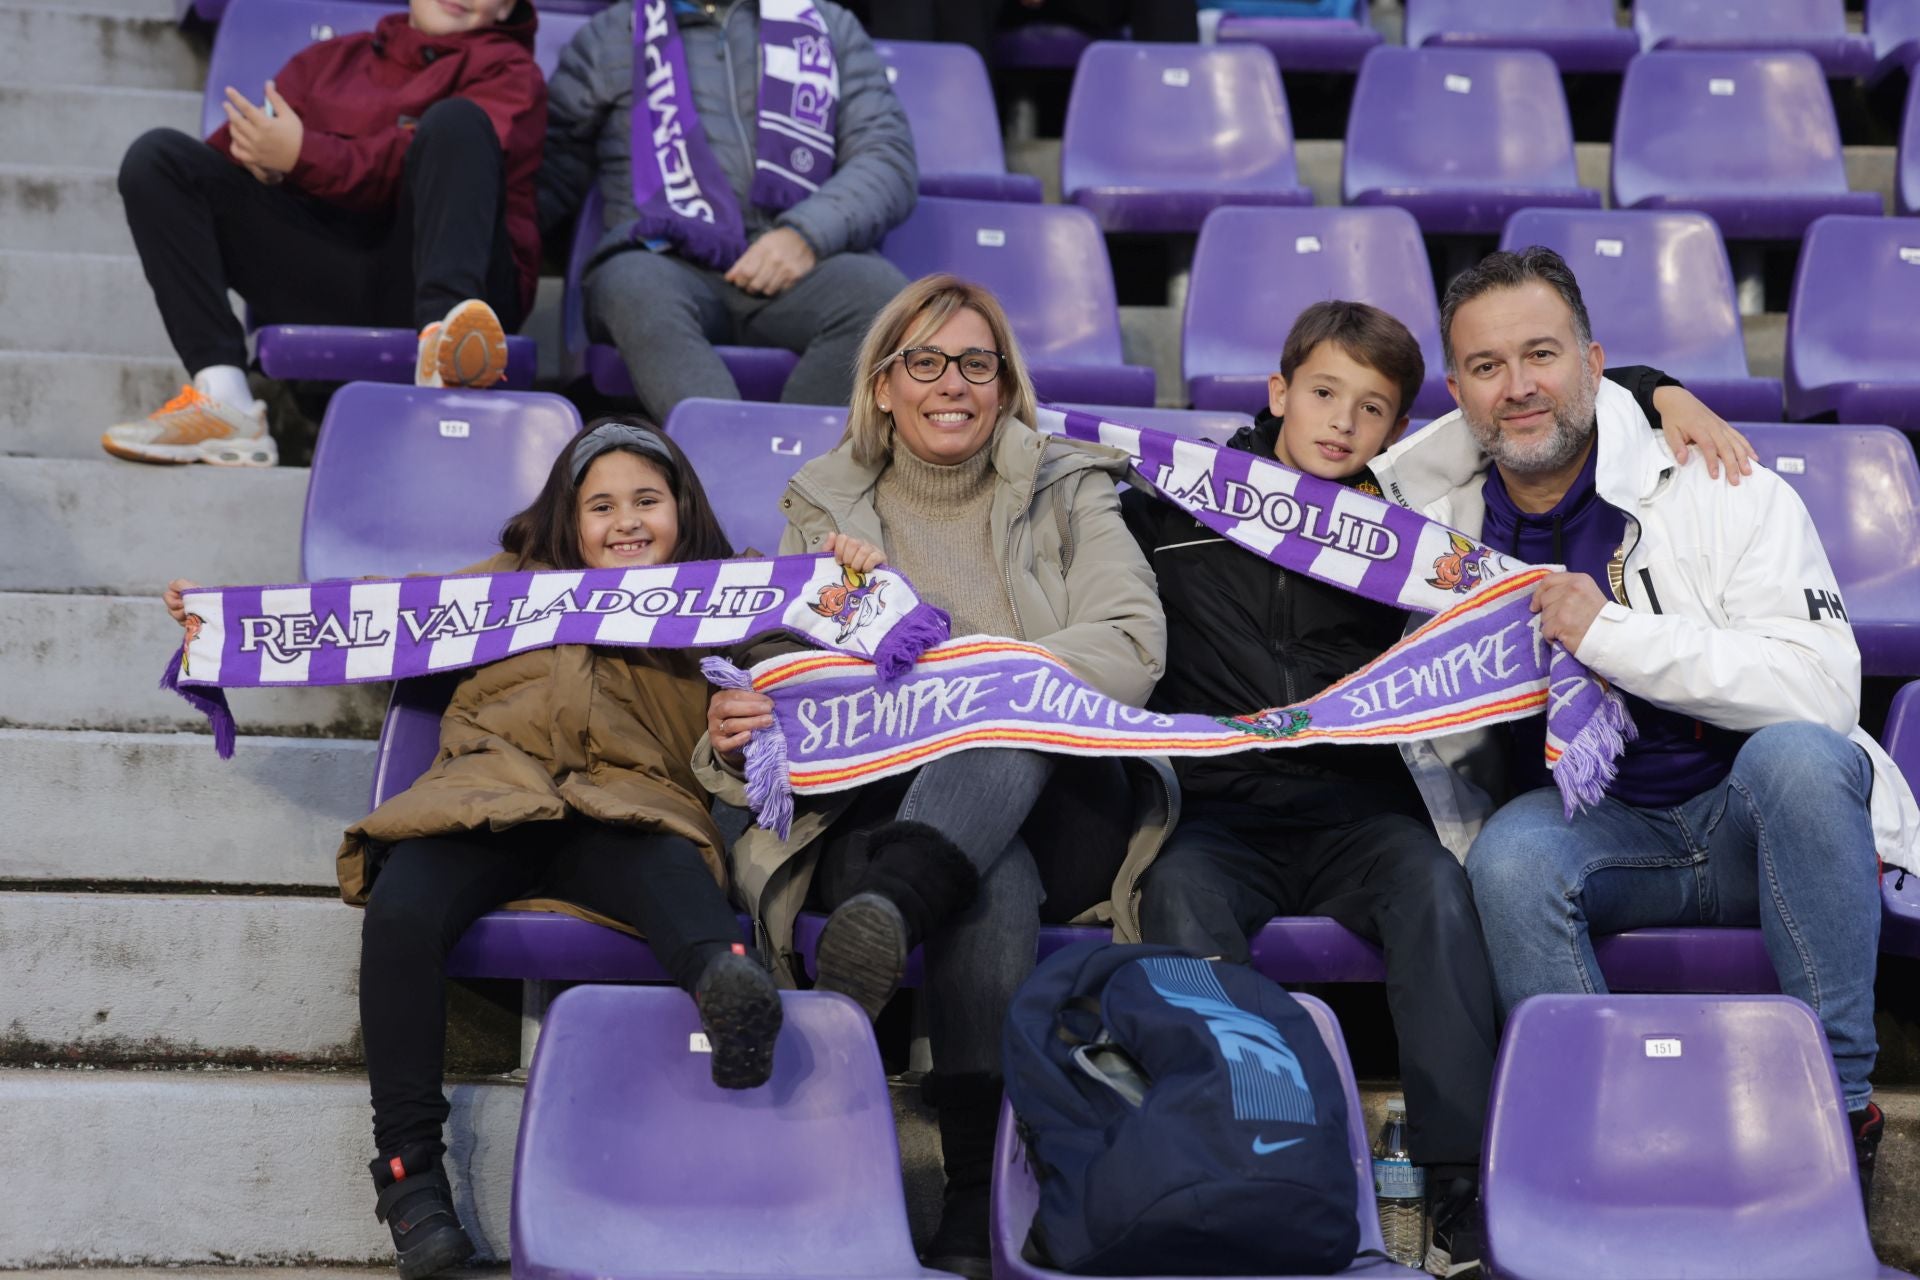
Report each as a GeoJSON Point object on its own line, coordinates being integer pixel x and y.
{"type": "Point", "coordinates": [1400, 1187]}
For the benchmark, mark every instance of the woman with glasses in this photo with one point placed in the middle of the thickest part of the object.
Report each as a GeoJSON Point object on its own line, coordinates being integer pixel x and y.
{"type": "Point", "coordinates": [1014, 533]}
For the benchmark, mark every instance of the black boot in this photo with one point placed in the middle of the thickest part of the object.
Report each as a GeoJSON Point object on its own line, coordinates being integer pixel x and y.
{"type": "Point", "coordinates": [1868, 1124]}
{"type": "Point", "coordinates": [917, 879]}
{"type": "Point", "coordinates": [969, 1110]}
{"type": "Point", "coordinates": [417, 1205]}
{"type": "Point", "coordinates": [740, 1012]}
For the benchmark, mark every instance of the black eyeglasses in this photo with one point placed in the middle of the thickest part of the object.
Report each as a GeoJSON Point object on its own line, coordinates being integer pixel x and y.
{"type": "Point", "coordinates": [929, 364]}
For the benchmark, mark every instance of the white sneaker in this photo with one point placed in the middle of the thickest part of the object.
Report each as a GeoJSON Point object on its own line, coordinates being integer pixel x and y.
{"type": "Point", "coordinates": [467, 349]}
{"type": "Point", "coordinates": [193, 428]}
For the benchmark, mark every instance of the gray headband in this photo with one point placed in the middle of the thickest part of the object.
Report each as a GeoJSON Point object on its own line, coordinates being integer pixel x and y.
{"type": "Point", "coordinates": [616, 435]}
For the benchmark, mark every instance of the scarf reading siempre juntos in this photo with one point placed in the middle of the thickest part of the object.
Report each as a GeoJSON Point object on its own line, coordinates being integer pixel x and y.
{"type": "Point", "coordinates": [350, 632]}
{"type": "Point", "coordinates": [1478, 661]}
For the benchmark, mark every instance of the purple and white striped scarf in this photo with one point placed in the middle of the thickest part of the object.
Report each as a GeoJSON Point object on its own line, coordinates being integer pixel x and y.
{"type": "Point", "coordinates": [352, 632]}
{"type": "Point", "coordinates": [678, 186]}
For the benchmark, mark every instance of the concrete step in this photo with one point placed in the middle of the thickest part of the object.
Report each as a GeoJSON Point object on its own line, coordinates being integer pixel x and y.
{"type": "Point", "coordinates": [123, 528]}
{"type": "Point", "coordinates": [58, 210]}
{"type": "Point", "coordinates": [97, 977]}
{"type": "Point", "coordinates": [199, 1167]}
{"type": "Point", "coordinates": [56, 44]}
{"type": "Point", "coordinates": [158, 9]}
{"type": "Point", "coordinates": [83, 806]}
{"type": "Point", "coordinates": [98, 303]}
{"type": "Point", "coordinates": [85, 125]}
{"type": "Point", "coordinates": [103, 673]}
{"type": "Point", "coordinates": [57, 404]}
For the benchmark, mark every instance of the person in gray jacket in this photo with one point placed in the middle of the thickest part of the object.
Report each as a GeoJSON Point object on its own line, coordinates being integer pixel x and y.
{"type": "Point", "coordinates": [775, 159]}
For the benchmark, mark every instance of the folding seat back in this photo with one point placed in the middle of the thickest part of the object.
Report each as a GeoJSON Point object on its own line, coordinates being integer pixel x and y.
{"type": "Point", "coordinates": [1852, 319]}
{"type": "Point", "coordinates": [1659, 290]}
{"type": "Point", "coordinates": [632, 1164]}
{"type": "Point", "coordinates": [1633, 1136]}
{"type": "Point", "coordinates": [256, 37]}
{"type": "Point", "coordinates": [1159, 134]}
{"type": "Point", "coordinates": [1461, 137]}
{"type": "Point", "coordinates": [1894, 28]}
{"type": "Point", "coordinates": [1579, 35]}
{"type": "Point", "coordinates": [1016, 1195]}
{"type": "Point", "coordinates": [1048, 266]}
{"type": "Point", "coordinates": [1906, 181]}
{"type": "Point", "coordinates": [1750, 139]}
{"type": "Point", "coordinates": [1255, 270]}
{"type": "Point", "coordinates": [944, 90]}
{"type": "Point", "coordinates": [558, 26]}
{"type": "Point", "coordinates": [1815, 27]}
{"type": "Point", "coordinates": [1325, 44]}
{"type": "Point", "coordinates": [419, 480]}
{"type": "Point", "coordinates": [745, 454]}
{"type": "Point", "coordinates": [1215, 426]}
{"type": "Point", "coordinates": [1900, 890]}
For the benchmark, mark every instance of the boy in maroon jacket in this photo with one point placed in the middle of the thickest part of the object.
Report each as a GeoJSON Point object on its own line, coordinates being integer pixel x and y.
{"type": "Point", "coordinates": [387, 179]}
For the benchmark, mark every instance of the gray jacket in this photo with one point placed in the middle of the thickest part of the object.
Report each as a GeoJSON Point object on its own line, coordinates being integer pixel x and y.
{"type": "Point", "coordinates": [590, 128]}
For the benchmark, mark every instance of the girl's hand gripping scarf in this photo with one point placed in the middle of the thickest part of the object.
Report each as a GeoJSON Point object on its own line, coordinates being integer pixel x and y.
{"type": "Point", "coordinates": [351, 632]}
{"type": "Point", "coordinates": [1479, 661]}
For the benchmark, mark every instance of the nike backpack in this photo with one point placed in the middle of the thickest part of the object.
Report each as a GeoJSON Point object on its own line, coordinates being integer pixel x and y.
{"type": "Point", "coordinates": [1180, 1117]}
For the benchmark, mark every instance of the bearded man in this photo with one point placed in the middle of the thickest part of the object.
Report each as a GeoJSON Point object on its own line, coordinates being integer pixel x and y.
{"type": "Point", "coordinates": [1750, 795]}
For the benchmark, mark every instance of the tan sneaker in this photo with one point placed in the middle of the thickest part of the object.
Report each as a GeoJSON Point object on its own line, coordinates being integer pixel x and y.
{"type": "Point", "coordinates": [192, 428]}
{"type": "Point", "coordinates": [467, 349]}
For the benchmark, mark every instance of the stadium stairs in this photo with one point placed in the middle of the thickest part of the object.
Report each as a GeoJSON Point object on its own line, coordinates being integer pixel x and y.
{"type": "Point", "coordinates": [180, 1068]}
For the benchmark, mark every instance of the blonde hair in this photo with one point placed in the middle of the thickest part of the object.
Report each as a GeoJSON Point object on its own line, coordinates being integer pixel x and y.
{"type": "Point", "coordinates": [915, 315]}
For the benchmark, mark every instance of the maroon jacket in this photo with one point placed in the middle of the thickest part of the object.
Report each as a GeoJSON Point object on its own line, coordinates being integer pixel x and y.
{"type": "Point", "coordinates": [359, 97]}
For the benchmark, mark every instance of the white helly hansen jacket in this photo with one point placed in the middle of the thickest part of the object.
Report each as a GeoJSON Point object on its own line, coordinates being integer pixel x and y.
{"type": "Point", "coordinates": [1727, 610]}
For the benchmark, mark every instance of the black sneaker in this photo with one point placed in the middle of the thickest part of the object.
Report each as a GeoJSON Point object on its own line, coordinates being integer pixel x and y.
{"type": "Point", "coordinates": [1454, 1248]}
{"type": "Point", "coordinates": [1868, 1124]}
{"type": "Point", "coordinates": [740, 1012]}
{"type": "Point", "coordinates": [417, 1205]}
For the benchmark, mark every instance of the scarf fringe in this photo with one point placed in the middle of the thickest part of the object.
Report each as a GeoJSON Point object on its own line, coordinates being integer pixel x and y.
{"type": "Point", "coordinates": [768, 792]}
{"type": "Point", "coordinates": [924, 627]}
{"type": "Point", "coordinates": [209, 701]}
{"type": "Point", "coordinates": [1587, 764]}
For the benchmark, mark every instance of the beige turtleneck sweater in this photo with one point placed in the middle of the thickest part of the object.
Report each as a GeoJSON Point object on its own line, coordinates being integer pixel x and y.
{"type": "Point", "coordinates": [936, 527]}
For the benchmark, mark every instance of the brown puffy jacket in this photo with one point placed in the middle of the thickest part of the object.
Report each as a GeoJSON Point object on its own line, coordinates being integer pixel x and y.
{"type": "Point", "coordinates": [606, 733]}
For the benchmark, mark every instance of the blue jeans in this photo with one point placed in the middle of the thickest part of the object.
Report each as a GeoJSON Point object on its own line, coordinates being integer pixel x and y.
{"type": "Point", "coordinates": [1785, 842]}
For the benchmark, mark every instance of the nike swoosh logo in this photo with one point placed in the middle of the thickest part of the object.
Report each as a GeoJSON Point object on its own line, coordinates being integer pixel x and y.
{"type": "Point", "coordinates": [1264, 1148]}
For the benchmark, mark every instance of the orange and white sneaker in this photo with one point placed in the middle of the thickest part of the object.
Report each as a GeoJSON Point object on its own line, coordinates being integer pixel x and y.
{"type": "Point", "coordinates": [192, 427]}
{"type": "Point", "coordinates": [467, 349]}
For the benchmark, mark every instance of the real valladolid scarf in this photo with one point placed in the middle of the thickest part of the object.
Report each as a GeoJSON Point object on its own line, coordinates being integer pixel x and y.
{"type": "Point", "coordinates": [352, 632]}
{"type": "Point", "coordinates": [679, 189]}
{"type": "Point", "coordinates": [1479, 661]}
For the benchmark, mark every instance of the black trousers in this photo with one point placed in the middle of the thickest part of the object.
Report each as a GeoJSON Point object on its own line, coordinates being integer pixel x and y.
{"type": "Point", "coordinates": [1228, 870]}
{"type": "Point", "coordinates": [204, 225]}
{"type": "Point", "coordinates": [427, 892]}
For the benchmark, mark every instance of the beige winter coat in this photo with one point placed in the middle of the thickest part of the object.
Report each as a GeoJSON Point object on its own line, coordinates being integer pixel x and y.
{"type": "Point", "coordinates": [571, 729]}
{"type": "Point", "coordinates": [1078, 585]}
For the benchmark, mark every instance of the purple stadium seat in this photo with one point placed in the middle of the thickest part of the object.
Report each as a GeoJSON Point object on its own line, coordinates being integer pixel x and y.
{"type": "Point", "coordinates": [256, 37]}
{"type": "Point", "coordinates": [1692, 958]}
{"type": "Point", "coordinates": [1213, 425]}
{"type": "Point", "coordinates": [208, 11]}
{"type": "Point", "coordinates": [346, 353]}
{"type": "Point", "coordinates": [1748, 138]}
{"type": "Point", "coordinates": [1894, 28]}
{"type": "Point", "coordinates": [1579, 35]}
{"type": "Point", "coordinates": [1659, 289]}
{"type": "Point", "coordinates": [1048, 266]}
{"type": "Point", "coordinates": [417, 480]}
{"type": "Point", "coordinates": [559, 23]}
{"type": "Point", "coordinates": [1863, 490]}
{"type": "Point", "coordinates": [1636, 1136]}
{"type": "Point", "coordinates": [1906, 182]}
{"type": "Point", "coordinates": [1461, 138]}
{"type": "Point", "coordinates": [1016, 1195]}
{"type": "Point", "coordinates": [632, 1164]}
{"type": "Point", "coordinates": [1255, 270]}
{"type": "Point", "coordinates": [1815, 27]}
{"type": "Point", "coordinates": [1158, 135]}
{"type": "Point", "coordinates": [745, 454]}
{"type": "Point", "coordinates": [759, 372]}
{"type": "Point", "coordinates": [1306, 44]}
{"type": "Point", "coordinates": [1900, 890]}
{"type": "Point", "coordinates": [1039, 46]}
{"type": "Point", "coordinates": [1852, 321]}
{"type": "Point", "coordinates": [956, 133]}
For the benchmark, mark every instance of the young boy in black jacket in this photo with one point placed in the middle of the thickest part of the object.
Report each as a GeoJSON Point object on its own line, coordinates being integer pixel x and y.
{"type": "Point", "coordinates": [1325, 830]}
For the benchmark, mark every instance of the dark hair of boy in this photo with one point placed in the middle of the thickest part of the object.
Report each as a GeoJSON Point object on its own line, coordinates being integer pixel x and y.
{"type": "Point", "coordinates": [1367, 334]}
{"type": "Point", "coordinates": [1507, 270]}
{"type": "Point", "coordinates": [548, 531]}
